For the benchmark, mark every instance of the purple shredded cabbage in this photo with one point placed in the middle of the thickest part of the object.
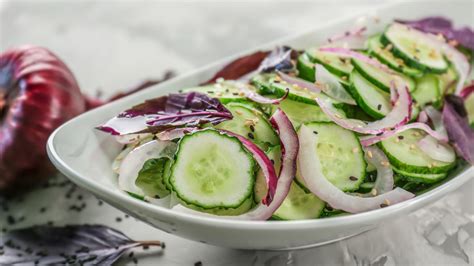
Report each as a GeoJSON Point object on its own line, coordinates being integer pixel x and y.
{"type": "Point", "coordinates": [457, 125]}
{"type": "Point", "coordinates": [166, 112]}
{"type": "Point", "coordinates": [444, 26]}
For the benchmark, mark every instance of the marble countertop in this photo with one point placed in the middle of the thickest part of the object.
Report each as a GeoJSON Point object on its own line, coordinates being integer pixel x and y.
{"type": "Point", "coordinates": [113, 45]}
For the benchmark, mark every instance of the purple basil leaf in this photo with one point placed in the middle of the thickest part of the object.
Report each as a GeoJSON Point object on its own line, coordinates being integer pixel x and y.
{"type": "Point", "coordinates": [278, 59]}
{"type": "Point", "coordinates": [73, 245]}
{"type": "Point", "coordinates": [176, 110]}
{"type": "Point", "coordinates": [456, 123]}
{"type": "Point", "coordinates": [435, 25]}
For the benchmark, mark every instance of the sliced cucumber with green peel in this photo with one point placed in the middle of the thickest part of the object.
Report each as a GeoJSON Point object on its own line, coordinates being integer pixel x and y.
{"type": "Point", "coordinates": [374, 101]}
{"type": "Point", "coordinates": [151, 178]}
{"type": "Point", "coordinates": [299, 113]}
{"type": "Point", "coordinates": [298, 204]}
{"type": "Point", "coordinates": [333, 63]}
{"type": "Point", "coordinates": [305, 68]}
{"type": "Point", "coordinates": [448, 80]}
{"type": "Point", "coordinates": [420, 178]}
{"type": "Point", "coordinates": [384, 55]}
{"type": "Point", "coordinates": [469, 104]}
{"type": "Point", "coordinates": [342, 158]}
{"type": "Point", "coordinates": [404, 154]}
{"type": "Point", "coordinates": [380, 78]}
{"type": "Point", "coordinates": [428, 91]}
{"type": "Point", "coordinates": [415, 48]}
{"type": "Point", "coordinates": [263, 83]}
{"type": "Point", "coordinates": [212, 170]}
{"type": "Point", "coordinates": [243, 208]}
{"type": "Point", "coordinates": [250, 123]}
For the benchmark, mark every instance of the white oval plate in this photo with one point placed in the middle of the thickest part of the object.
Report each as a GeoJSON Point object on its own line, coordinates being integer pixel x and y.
{"type": "Point", "coordinates": [85, 155]}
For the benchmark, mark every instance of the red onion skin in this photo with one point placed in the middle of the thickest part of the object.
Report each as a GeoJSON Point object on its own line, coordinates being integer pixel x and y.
{"type": "Point", "coordinates": [40, 93]}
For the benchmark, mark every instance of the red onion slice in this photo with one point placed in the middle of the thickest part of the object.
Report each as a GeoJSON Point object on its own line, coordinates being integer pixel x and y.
{"type": "Point", "coordinates": [437, 120]}
{"type": "Point", "coordinates": [331, 86]}
{"type": "Point", "coordinates": [422, 117]}
{"type": "Point", "coordinates": [370, 140]}
{"type": "Point", "coordinates": [398, 116]}
{"type": "Point", "coordinates": [175, 133]}
{"type": "Point", "coordinates": [466, 92]}
{"type": "Point", "coordinates": [347, 53]}
{"type": "Point", "coordinates": [384, 182]}
{"type": "Point", "coordinates": [353, 39]}
{"type": "Point", "coordinates": [252, 95]}
{"type": "Point", "coordinates": [290, 146]}
{"type": "Point", "coordinates": [436, 150]}
{"type": "Point", "coordinates": [311, 172]}
{"type": "Point", "coordinates": [131, 138]}
{"type": "Point", "coordinates": [133, 163]}
{"type": "Point", "coordinates": [312, 87]}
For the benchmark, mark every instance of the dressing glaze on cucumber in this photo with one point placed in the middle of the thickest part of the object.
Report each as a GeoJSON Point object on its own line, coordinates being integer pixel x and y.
{"type": "Point", "coordinates": [324, 131]}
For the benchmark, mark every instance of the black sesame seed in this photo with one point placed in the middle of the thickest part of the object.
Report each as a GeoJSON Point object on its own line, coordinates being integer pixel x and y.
{"type": "Point", "coordinates": [379, 107]}
{"type": "Point", "coordinates": [100, 202]}
{"type": "Point", "coordinates": [135, 260]}
{"type": "Point", "coordinates": [276, 81]}
{"type": "Point", "coordinates": [400, 137]}
{"type": "Point", "coordinates": [353, 178]}
{"type": "Point", "coordinates": [79, 197]}
{"type": "Point", "coordinates": [251, 136]}
{"type": "Point", "coordinates": [118, 219]}
{"type": "Point", "coordinates": [252, 128]}
{"type": "Point", "coordinates": [43, 209]}
{"type": "Point", "coordinates": [235, 94]}
{"type": "Point", "coordinates": [315, 132]}
{"type": "Point", "coordinates": [130, 255]}
{"type": "Point", "coordinates": [127, 216]}
{"type": "Point", "coordinates": [379, 134]}
{"type": "Point", "coordinates": [163, 245]}
{"type": "Point", "coordinates": [273, 161]}
{"type": "Point", "coordinates": [145, 247]}
{"type": "Point", "coordinates": [198, 263]}
{"type": "Point", "coordinates": [383, 205]}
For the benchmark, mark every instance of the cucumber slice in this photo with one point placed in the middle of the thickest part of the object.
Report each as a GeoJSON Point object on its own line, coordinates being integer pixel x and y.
{"type": "Point", "coordinates": [448, 81]}
{"type": "Point", "coordinates": [403, 153]}
{"type": "Point", "coordinates": [250, 123]}
{"type": "Point", "coordinates": [300, 113]}
{"type": "Point", "coordinates": [305, 68]}
{"type": "Point", "coordinates": [152, 175]}
{"type": "Point", "coordinates": [420, 178]}
{"type": "Point", "coordinates": [225, 92]}
{"type": "Point", "coordinates": [428, 91]}
{"type": "Point", "coordinates": [262, 83]}
{"type": "Point", "coordinates": [414, 48]}
{"type": "Point", "coordinates": [366, 187]}
{"type": "Point", "coordinates": [333, 63]}
{"type": "Point", "coordinates": [212, 170]}
{"type": "Point", "coordinates": [298, 205]}
{"type": "Point", "coordinates": [374, 101]}
{"type": "Point", "coordinates": [380, 78]}
{"type": "Point", "coordinates": [377, 49]}
{"type": "Point", "coordinates": [243, 208]}
{"type": "Point", "coordinates": [342, 158]}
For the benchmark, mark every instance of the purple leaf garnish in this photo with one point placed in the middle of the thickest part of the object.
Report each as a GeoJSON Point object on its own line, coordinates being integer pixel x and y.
{"type": "Point", "coordinates": [279, 59]}
{"type": "Point", "coordinates": [457, 125]}
{"type": "Point", "coordinates": [71, 245]}
{"type": "Point", "coordinates": [444, 26]}
{"type": "Point", "coordinates": [166, 112]}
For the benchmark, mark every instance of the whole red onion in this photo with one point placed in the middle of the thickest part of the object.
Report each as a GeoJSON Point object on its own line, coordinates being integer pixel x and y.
{"type": "Point", "coordinates": [37, 94]}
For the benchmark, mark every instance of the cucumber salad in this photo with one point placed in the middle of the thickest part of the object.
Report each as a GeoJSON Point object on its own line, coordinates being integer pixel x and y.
{"type": "Point", "coordinates": [362, 122]}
